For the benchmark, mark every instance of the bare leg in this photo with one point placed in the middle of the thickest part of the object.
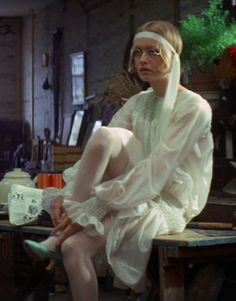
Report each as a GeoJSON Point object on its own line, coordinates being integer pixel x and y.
{"type": "Point", "coordinates": [104, 153]}
{"type": "Point", "coordinates": [77, 251]}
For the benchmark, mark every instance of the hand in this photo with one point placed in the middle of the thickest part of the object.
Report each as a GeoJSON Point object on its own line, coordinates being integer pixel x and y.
{"type": "Point", "coordinates": [67, 227]}
{"type": "Point", "coordinates": [57, 211]}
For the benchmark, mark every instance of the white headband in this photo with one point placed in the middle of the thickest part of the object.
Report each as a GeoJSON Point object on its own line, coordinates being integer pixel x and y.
{"type": "Point", "coordinates": [154, 36]}
{"type": "Point", "coordinates": [174, 79]}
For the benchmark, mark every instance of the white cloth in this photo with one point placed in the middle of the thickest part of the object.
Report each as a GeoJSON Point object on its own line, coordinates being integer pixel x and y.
{"type": "Point", "coordinates": [173, 82]}
{"type": "Point", "coordinates": [165, 186]}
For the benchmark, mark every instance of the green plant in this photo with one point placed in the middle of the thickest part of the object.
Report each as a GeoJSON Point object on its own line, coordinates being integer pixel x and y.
{"type": "Point", "coordinates": [206, 37]}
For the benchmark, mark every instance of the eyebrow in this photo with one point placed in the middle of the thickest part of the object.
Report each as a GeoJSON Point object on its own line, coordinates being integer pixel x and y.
{"type": "Point", "coordinates": [147, 48]}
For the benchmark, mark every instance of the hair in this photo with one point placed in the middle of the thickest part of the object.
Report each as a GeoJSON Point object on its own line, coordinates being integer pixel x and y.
{"type": "Point", "coordinates": [167, 31]}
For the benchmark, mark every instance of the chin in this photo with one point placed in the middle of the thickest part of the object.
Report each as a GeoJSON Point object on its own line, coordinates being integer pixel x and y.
{"type": "Point", "coordinates": [145, 78]}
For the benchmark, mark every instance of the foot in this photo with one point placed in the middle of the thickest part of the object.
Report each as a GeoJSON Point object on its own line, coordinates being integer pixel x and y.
{"type": "Point", "coordinates": [40, 252]}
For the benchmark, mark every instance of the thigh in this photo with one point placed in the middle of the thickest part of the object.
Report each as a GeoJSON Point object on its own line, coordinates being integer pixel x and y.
{"type": "Point", "coordinates": [120, 158]}
{"type": "Point", "coordinates": [84, 243]}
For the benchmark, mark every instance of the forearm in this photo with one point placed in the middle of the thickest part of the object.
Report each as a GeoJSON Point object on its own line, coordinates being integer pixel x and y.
{"type": "Point", "coordinates": [87, 214]}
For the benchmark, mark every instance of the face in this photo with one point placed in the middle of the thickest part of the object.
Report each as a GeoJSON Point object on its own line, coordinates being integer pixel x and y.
{"type": "Point", "coordinates": [147, 60]}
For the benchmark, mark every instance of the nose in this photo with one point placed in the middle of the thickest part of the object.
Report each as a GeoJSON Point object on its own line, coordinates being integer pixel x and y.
{"type": "Point", "coordinates": [143, 57]}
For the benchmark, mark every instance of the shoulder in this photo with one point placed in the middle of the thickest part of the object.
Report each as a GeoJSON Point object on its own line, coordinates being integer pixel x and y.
{"type": "Point", "coordinates": [123, 117]}
{"type": "Point", "coordinates": [137, 99]}
{"type": "Point", "coordinates": [192, 102]}
{"type": "Point", "coordinates": [141, 95]}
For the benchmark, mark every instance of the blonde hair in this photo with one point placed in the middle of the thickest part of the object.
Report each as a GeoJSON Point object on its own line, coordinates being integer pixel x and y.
{"type": "Point", "coordinates": [167, 31]}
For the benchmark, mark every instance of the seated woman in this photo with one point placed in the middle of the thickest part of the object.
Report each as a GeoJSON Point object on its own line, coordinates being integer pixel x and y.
{"type": "Point", "coordinates": [148, 173]}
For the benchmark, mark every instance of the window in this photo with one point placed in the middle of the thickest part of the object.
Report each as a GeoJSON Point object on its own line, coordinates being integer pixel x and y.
{"type": "Point", "coordinates": [78, 77]}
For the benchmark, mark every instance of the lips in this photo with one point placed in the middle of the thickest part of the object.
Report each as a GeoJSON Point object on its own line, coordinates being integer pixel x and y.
{"type": "Point", "coordinates": [144, 70]}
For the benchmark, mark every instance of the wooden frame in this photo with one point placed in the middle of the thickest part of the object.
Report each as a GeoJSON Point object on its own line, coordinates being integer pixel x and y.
{"type": "Point", "coordinates": [92, 126]}
{"type": "Point", "coordinates": [97, 124]}
{"type": "Point", "coordinates": [75, 128]}
{"type": "Point", "coordinates": [66, 128]}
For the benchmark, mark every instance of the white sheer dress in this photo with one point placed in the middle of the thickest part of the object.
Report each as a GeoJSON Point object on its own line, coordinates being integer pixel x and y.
{"type": "Point", "coordinates": [165, 186]}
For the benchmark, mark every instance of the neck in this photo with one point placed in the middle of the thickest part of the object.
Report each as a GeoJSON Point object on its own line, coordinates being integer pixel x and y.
{"type": "Point", "coordinates": [160, 87]}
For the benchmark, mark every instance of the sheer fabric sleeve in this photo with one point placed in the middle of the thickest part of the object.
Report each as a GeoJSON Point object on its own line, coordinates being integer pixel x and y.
{"type": "Point", "coordinates": [148, 177]}
{"type": "Point", "coordinates": [121, 119]}
{"type": "Point", "coordinates": [146, 180]}
{"type": "Point", "coordinates": [51, 193]}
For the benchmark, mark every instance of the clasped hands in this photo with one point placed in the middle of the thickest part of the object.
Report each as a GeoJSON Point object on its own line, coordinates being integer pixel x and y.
{"type": "Point", "coordinates": [62, 223]}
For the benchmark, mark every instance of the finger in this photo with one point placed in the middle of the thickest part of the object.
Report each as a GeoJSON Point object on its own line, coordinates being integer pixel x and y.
{"type": "Point", "coordinates": [62, 225]}
{"type": "Point", "coordinates": [54, 220]}
{"type": "Point", "coordinates": [59, 224]}
{"type": "Point", "coordinates": [62, 217]}
{"type": "Point", "coordinates": [56, 211]}
{"type": "Point", "coordinates": [53, 214]}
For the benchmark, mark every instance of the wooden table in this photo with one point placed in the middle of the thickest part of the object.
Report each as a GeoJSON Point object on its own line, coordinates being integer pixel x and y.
{"type": "Point", "coordinates": [30, 229]}
{"type": "Point", "coordinates": [190, 247]}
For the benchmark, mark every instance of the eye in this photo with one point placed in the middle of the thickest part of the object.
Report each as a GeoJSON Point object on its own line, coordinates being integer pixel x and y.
{"type": "Point", "coordinates": [153, 52]}
{"type": "Point", "coordinates": [137, 53]}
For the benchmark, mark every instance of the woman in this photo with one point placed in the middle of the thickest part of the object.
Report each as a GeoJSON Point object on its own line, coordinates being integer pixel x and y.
{"type": "Point", "coordinates": [148, 173]}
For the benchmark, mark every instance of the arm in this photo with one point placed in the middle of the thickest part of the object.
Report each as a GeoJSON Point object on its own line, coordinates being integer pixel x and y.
{"type": "Point", "coordinates": [149, 176]}
{"type": "Point", "coordinates": [146, 179]}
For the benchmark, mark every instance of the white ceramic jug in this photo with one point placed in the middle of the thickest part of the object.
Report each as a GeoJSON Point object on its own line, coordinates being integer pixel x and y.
{"type": "Point", "coordinates": [17, 176]}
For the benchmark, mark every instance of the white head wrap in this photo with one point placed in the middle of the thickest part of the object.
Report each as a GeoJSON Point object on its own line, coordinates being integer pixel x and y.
{"type": "Point", "coordinates": [173, 83]}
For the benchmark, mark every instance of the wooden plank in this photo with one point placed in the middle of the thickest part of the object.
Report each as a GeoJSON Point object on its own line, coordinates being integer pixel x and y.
{"type": "Point", "coordinates": [199, 254]}
{"type": "Point", "coordinates": [210, 225]}
{"type": "Point", "coordinates": [190, 238]}
{"type": "Point", "coordinates": [171, 279]}
{"type": "Point", "coordinates": [226, 201]}
{"type": "Point", "coordinates": [40, 230]}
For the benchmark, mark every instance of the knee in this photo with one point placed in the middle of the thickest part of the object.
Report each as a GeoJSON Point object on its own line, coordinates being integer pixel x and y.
{"type": "Point", "coordinates": [74, 246]}
{"type": "Point", "coordinates": [101, 141]}
{"type": "Point", "coordinates": [66, 248]}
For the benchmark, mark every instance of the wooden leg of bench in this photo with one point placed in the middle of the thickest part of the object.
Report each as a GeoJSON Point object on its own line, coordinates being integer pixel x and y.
{"type": "Point", "coordinates": [206, 283]}
{"type": "Point", "coordinates": [171, 279]}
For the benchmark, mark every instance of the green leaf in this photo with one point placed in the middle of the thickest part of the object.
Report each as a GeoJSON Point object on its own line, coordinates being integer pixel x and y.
{"type": "Point", "coordinates": [206, 37]}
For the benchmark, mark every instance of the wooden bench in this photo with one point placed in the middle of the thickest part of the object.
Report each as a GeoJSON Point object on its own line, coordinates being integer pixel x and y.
{"type": "Point", "coordinates": [192, 247]}
{"type": "Point", "coordinates": [172, 254]}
